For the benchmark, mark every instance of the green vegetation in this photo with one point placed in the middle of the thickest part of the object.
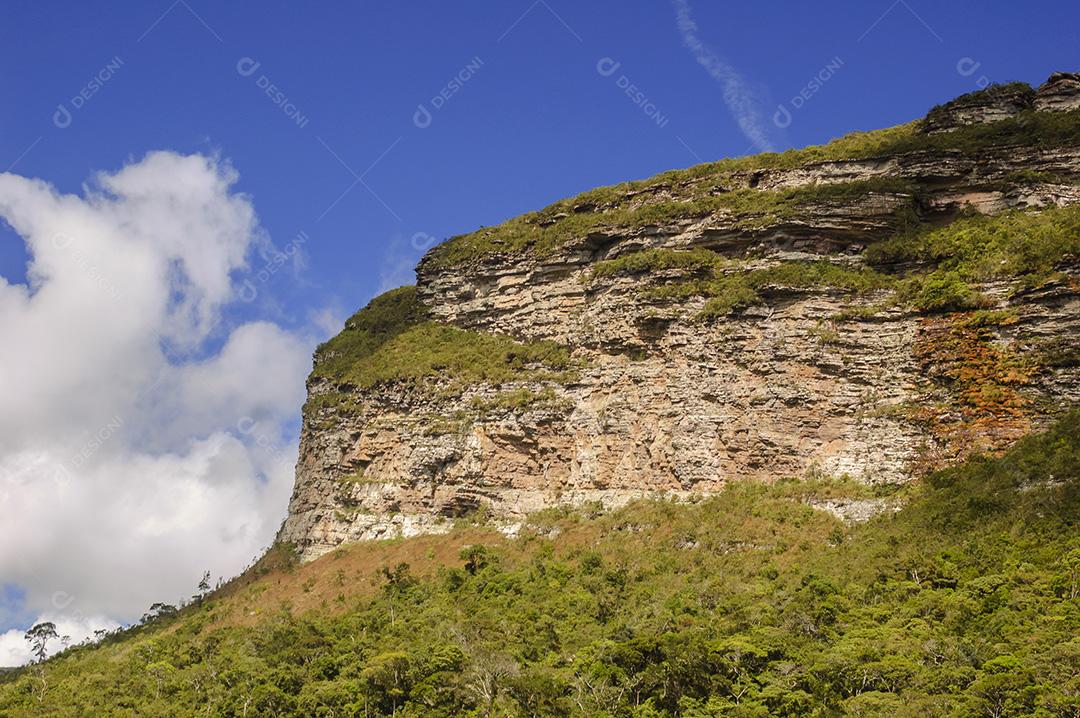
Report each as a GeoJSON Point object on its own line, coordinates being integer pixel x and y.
{"type": "Point", "coordinates": [1025, 246]}
{"type": "Point", "coordinates": [827, 334]}
{"type": "Point", "coordinates": [391, 340]}
{"type": "Point", "coordinates": [545, 231]}
{"type": "Point", "coordinates": [927, 269]}
{"type": "Point", "coordinates": [980, 248]}
{"type": "Point", "coordinates": [1031, 177]}
{"type": "Point", "coordinates": [656, 260]}
{"type": "Point", "coordinates": [383, 319]}
{"type": "Point", "coordinates": [964, 604]}
{"type": "Point", "coordinates": [516, 400]}
{"type": "Point", "coordinates": [731, 291]}
{"type": "Point", "coordinates": [707, 188]}
{"type": "Point", "coordinates": [729, 287]}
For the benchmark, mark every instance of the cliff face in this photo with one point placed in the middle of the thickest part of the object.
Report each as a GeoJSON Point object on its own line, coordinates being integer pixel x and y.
{"type": "Point", "coordinates": [874, 307]}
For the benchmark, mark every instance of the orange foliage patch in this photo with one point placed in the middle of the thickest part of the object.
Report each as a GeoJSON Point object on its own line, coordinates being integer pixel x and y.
{"type": "Point", "coordinates": [984, 408]}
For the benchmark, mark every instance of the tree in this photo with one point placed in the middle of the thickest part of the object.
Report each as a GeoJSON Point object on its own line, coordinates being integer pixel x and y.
{"type": "Point", "coordinates": [398, 581]}
{"type": "Point", "coordinates": [1003, 688]}
{"type": "Point", "coordinates": [539, 692]}
{"type": "Point", "coordinates": [475, 558]}
{"type": "Point", "coordinates": [386, 679]}
{"type": "Point", "coordinates": [399, 578]}
{"type": "Point", "coordinates": [203, 588]}
{"type": "Point", "coordinates": [488, 676]}
{"type": "Point", "coordinates": [740, 660]}
{"type": "Point", "coordinates": [39, 636]}
{"type": "Point", "coordinates": [158, 610]}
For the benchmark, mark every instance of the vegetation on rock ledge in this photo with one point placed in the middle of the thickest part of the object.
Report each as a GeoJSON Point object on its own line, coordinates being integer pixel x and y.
{"type": "Point", "coordinates": [716, 186]}
{"type": "Point", "coordinates": [549, 229]}
{"type": "Point", "coordinates": [392, 340]}
{"type": "Point", "coordinates": [979, 248]}
{"type": "Point", "coordinates": [927, 269]}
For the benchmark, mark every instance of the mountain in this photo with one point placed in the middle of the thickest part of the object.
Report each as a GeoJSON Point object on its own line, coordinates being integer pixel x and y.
{"type": "Point", "coordinates": [789, 435]}
{"type": "Point", "coordinates": [875, 307]}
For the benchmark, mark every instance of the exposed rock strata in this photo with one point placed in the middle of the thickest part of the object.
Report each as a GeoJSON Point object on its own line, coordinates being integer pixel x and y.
{"type": "Point", "coordinates": [667, 404]}
{"type": "Point", "coordinates": [976, 108]}
{"type": "Point", "coordinates": [1060, 93]}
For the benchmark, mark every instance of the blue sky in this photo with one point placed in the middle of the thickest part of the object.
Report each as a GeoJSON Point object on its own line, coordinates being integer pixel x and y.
{"type": "Point", "coordinates": [148, 429]}
{"type": "Point", "coordinates": [534, 122]}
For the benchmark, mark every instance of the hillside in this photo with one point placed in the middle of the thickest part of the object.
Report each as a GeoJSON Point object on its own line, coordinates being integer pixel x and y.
{"type": "Point", "coordinates": [873, 308]}
{"type": "Point", "coordinates": [965, 602]}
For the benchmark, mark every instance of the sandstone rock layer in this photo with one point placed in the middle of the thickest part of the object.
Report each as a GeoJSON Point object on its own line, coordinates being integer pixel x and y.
{"type": "Point", "coordinates": [663, 400]}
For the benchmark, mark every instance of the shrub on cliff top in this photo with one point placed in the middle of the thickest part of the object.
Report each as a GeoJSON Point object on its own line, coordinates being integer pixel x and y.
{"type": "Point", "coordinates": [692, 192]}
{"type": "Point", "coordinates": [385, 317]}
{"type": "Point", "coordinates": [541, 233]}
{"type": "Point", "coordinates": [392, 339]}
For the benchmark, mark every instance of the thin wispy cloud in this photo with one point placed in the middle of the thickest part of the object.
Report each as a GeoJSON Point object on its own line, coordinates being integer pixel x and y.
{"type": "Point", "coordinates": [743, 100]}
{"type": "Point", "coordinates": [398, 266]}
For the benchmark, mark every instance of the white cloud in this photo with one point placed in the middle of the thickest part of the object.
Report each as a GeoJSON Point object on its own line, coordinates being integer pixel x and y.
{"type": "Point", "coordinates": [14, 650]}
{"type": "Point", "coordinates": [744, 101]}
{"type": "Point", "coordinates": [142, 441]}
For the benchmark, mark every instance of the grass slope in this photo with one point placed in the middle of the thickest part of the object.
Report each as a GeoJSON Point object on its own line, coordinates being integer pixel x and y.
{"type": "Point", "coordinates": [965, 603]}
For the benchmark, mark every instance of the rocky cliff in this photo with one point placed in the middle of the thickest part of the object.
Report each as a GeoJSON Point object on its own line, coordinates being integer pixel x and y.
{"type": "Point", "coordinates": [874, 307]}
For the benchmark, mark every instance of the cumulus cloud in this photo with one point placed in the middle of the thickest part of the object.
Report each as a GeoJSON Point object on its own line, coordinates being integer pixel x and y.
{"type": "Point", "coordinates": [142, 440]}
{"type": "Point", "coordinates": [743, 101]}
{"type": "Point", "coordinates": [13, 645]}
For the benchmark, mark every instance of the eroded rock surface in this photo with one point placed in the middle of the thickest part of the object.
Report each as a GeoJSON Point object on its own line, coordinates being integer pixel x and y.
{"type": "Point", "coordinates": [1060, 93]}
{"type": "Point", "coordinates": [976, 108]}
{"type": "Point", "coordinates": [663, 402]}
